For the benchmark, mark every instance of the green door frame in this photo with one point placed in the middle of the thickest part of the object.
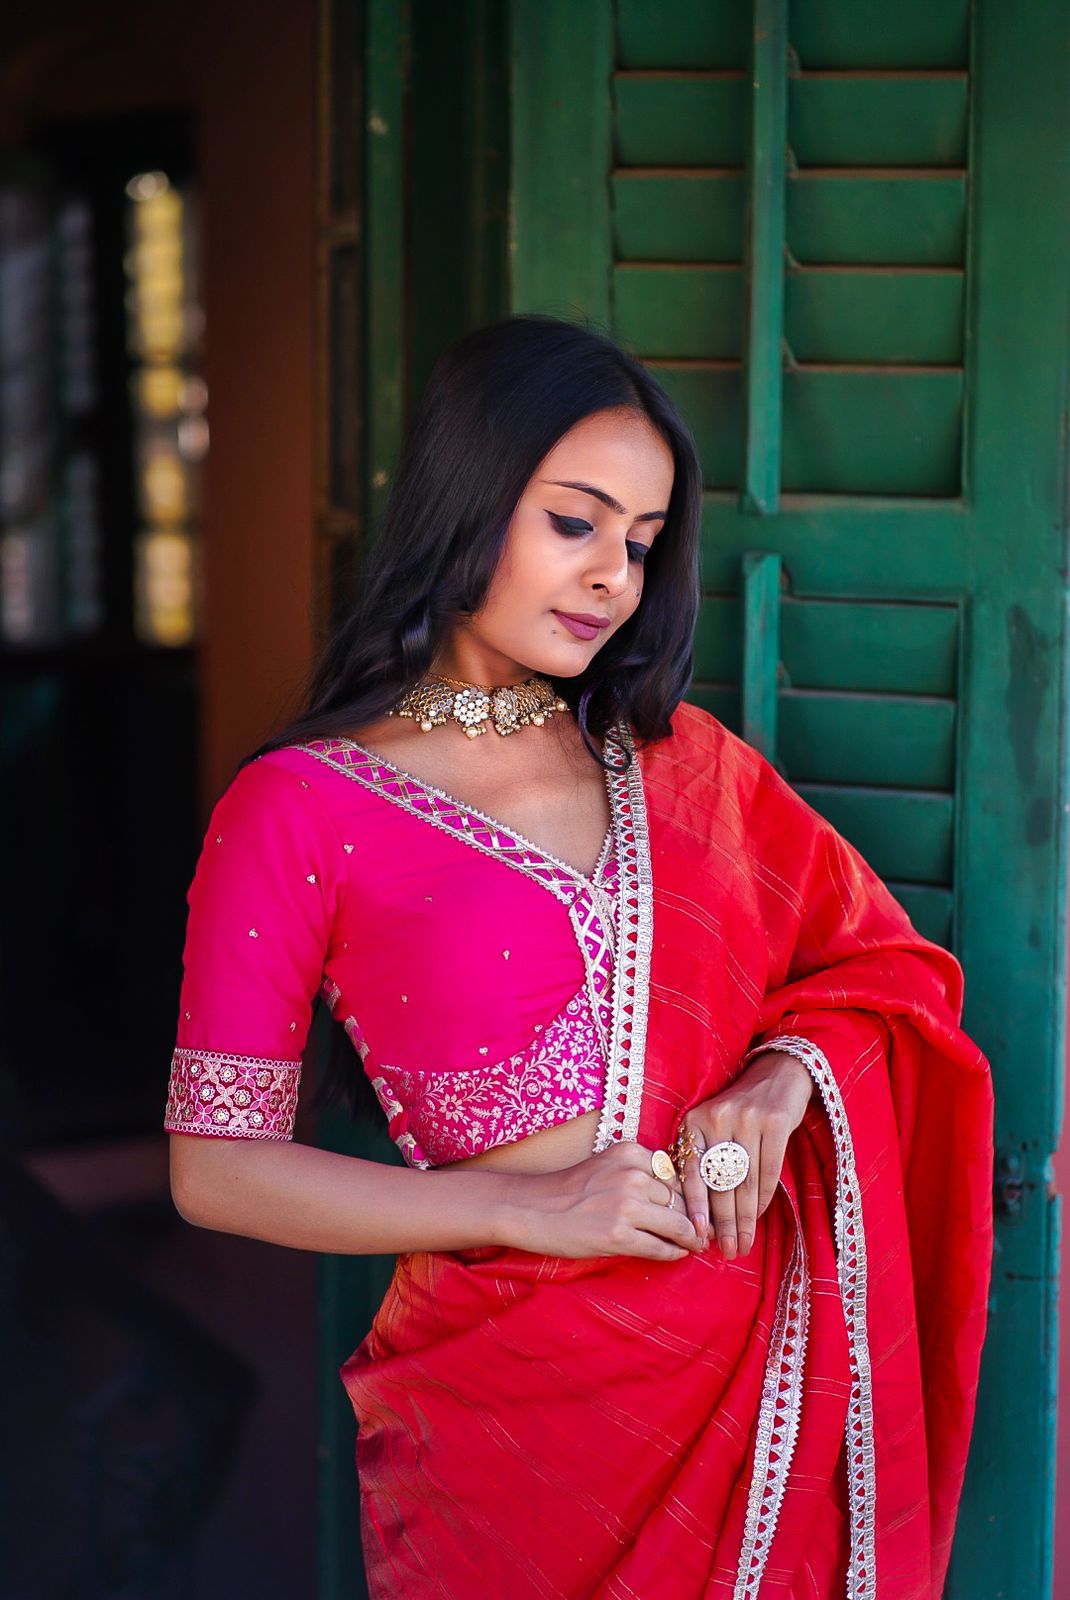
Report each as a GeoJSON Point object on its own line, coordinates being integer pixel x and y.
{"type": "Point", "coordinates": [998, 552]}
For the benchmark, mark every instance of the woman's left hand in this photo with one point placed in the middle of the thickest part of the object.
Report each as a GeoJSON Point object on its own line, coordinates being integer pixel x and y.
{"type": "Point", "coordinates": [759, 1110]}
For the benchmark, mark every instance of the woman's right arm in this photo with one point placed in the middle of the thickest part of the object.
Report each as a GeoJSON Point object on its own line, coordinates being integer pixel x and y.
{"type": "Point", "coordinates": [267, 903]}
{"type": "Point", "coordinates": [311, 1199]}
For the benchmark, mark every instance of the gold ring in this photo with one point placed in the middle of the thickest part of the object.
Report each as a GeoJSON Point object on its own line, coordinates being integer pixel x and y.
{"type": "Point", "coordinates": [661, 1165]}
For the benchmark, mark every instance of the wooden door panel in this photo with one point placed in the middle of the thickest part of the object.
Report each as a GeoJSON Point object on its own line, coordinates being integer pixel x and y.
{"type": "Point", "coordinates": [883, 741]}
{"type": "Point", "coordinates": [831, 644]}
{"type": "Point", "coordinates": [909, 647]}
{"type": "Point", "coordinates": [698, 118]}
{"type": "Point", "coordinates": [831, 314]}
{"type": "Point", "coordinates": [905, 216]}
{"type": "Point", "coordinates": [871, 35]}
{"type": "Point", "coordinates": [843, 118]}
{"type": "Point", "coordinates": [881, 411]}
{"type": "Point", "coordinates": [866, 314]}
{"type": "Point", "coordinates": [850, 430]}
{"type": "Point", "coordinates": [651, 34]}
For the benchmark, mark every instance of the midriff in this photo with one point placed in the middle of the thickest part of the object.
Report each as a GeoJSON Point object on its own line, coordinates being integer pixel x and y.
{"type": "Point", "coordinates": [549, 1150]}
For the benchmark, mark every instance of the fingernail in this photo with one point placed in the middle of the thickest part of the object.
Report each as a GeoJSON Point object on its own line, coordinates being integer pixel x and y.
{"type": "Point", "coordinates": [698, 1222]}
{"type": "Point", "coordinates": [728, 1246]}
{"type": "Point", "coordinates": [745, 1242]}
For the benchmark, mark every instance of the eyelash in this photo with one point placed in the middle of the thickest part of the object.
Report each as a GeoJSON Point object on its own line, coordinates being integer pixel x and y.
{"type": "Point", "coordinates": [638, 552]}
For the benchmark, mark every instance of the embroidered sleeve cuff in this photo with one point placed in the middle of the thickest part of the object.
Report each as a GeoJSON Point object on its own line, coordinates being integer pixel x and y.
{"type": "Point", "coordinates": [240, 1097]}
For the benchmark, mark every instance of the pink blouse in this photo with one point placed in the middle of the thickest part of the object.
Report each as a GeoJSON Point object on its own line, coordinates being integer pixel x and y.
{"type": "Point", "coordinates": [472, 971]}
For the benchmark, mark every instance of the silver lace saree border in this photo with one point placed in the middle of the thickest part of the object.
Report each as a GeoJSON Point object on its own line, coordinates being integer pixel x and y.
{"type": "Point", "coordinates": [851, 1268]}
{"type": "Point", "coordinates": [778, 1416]}
{"type": "Point", "coordinates": [623, 1097]}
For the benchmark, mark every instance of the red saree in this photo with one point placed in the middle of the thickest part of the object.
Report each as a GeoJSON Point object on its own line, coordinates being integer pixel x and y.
{"type": "Point", "coordinates": [790, 1424]}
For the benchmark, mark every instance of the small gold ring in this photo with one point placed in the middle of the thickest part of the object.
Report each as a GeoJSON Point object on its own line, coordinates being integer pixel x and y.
{"type": "Point", "coordinates": [661, 1165]}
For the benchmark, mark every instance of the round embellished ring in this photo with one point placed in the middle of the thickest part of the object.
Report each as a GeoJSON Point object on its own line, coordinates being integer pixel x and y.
{"type": "Point", "coordinates": [661, 1165]}
{"type": "Point", "coordinates": [724, 1165]}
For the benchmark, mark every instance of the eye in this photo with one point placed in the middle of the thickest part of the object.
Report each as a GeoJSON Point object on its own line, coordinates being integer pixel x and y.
{"type": "Point", "coordinates": [575, 527]}
{"type": "Point", "coordinates": [569, 525]}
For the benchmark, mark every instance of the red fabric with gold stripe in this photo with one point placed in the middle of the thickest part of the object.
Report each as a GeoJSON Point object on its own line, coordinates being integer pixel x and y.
{"type": "Point", "coordinates": [543, 1427]}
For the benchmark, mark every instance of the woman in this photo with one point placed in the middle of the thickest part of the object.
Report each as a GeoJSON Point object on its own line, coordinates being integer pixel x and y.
{"type": "Point", "coordinates": [694, 1236]}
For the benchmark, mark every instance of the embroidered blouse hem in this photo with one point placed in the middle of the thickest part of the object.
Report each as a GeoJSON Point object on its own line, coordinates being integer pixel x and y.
{"type": "Point", "coordinates": [439, 1117]}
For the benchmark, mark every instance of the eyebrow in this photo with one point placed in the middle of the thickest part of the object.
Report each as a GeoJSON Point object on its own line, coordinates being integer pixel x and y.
{"type": "Point", "coordinates": [606, 499]}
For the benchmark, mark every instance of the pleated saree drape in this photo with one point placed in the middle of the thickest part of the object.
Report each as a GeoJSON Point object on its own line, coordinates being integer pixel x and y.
{"type": "Point", "coordinates": [790, 1424]}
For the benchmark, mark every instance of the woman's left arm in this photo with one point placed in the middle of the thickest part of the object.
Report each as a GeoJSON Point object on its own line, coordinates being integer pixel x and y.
{"type": "Point", "coordinates": [760, 1109]}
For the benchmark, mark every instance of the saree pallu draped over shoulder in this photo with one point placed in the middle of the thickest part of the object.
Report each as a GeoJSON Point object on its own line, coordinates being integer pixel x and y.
{"type": "Point", "coordinates": [793, 1423]}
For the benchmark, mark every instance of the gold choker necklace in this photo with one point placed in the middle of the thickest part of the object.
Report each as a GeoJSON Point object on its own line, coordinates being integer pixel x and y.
{"type": "Point", "coordinates": [435, 701]}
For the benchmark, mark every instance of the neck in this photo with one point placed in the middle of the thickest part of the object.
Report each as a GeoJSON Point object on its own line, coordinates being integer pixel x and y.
{"type": "Point", "coordinates": [482, 683]}
{"type": "Point", "coordinates": [468, 660]}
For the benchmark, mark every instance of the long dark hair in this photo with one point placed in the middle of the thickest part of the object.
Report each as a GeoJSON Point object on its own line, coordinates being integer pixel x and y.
{"type": "Point", "coordinates": [497, 401]}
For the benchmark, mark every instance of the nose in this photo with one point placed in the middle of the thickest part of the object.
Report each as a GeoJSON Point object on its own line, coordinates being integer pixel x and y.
{"type": "Point", "coordinates": [609, 573]}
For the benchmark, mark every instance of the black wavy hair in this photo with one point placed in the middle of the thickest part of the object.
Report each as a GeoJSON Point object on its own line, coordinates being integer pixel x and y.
{"type": "Point", "coordinates": [497, 401]}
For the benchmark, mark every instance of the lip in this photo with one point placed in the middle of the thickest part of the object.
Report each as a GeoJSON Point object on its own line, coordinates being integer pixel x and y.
{"type": "Point", "coordinates": [582, 623]}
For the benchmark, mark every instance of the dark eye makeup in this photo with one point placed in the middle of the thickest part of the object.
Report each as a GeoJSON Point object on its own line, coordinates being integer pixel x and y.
{"type": "Point", "coordinates": [575, 527]}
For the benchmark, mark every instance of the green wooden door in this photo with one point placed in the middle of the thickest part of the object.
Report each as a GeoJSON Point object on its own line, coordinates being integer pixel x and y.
{"type": "Point", "coordinates": [837, 230]}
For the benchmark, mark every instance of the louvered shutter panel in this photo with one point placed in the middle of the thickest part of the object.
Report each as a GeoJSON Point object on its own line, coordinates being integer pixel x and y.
{"type": "Point", "coordinates": [837, 231]}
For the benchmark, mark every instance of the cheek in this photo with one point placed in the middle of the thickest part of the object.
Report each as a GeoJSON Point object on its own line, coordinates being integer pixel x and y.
{"type": "Point", "coordinates": [528, 572]}
{"type": "Point", "coordinates": [514, 590]}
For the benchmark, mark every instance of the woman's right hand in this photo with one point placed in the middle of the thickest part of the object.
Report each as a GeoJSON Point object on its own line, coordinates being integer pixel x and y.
{"type": "Point", "coordinates": [611, 1204]}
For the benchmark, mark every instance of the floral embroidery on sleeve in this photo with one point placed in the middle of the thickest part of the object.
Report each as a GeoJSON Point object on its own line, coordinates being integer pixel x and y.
{"type": "Point", "coordinates": [246, 1097]}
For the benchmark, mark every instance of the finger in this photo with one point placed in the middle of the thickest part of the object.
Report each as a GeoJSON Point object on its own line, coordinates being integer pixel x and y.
{"type": "Point", "coordinates": [774, 1149]}
{"type": "Point", "coordinates": [722, 1204]}
{"type": "Point", "coordinates": [696, 1194]}
{"type": "Point", "coordinates": [669, 1222]}
{"type": "Point", "coordinates": [664, 1192]}
{"type": "Point", "coordinates": [696, 1198]}
{"type": "Point", "coordinates": [746, 1196]}
{"type": "Point", "coordinates": [653, 1248]}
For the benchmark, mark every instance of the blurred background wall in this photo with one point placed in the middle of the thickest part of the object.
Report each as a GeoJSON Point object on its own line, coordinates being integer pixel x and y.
{"type": "Point", "coordinates": [156, 346]}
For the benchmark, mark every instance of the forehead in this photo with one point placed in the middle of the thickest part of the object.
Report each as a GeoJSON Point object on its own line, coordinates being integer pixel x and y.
{"type": "Point", "coordinates": [620, 451]}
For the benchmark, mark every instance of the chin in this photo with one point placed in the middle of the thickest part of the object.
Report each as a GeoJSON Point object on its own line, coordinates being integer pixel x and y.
{"type": "Point", "coordinates": [542, 667]}
{"type": "Point", "coordinates": [565, 662]}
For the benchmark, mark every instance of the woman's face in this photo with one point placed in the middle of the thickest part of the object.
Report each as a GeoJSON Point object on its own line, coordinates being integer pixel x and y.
{"type": "Point", "coordinates": [574, 549]}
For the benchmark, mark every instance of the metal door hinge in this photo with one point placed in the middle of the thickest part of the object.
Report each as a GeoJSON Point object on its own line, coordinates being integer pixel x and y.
{"type": "Point", "coordinates": [1009, 1182]}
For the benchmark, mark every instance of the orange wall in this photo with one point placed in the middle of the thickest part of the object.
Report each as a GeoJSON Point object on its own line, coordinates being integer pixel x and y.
{"type": "Point", "coordinates": [256, 157]}
{"type": "Point", "coordinates": [246, 71]}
